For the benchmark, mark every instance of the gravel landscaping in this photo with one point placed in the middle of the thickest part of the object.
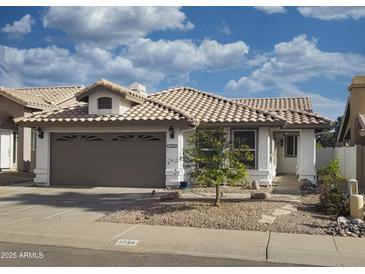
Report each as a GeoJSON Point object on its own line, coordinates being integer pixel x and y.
{"type": "Point", "coordinates": [292, 216]}
{"type": "Point", "coordinates": [13, 177]}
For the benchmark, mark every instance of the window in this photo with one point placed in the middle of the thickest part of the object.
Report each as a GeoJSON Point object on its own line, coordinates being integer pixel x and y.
{"type": "Point", "coordinates": [34, 139]}
{"type": "Point", "coordinates": [246, 137]}
{"type": "Point", "coordinates": [105, 103]}
{"type": "Point", "coordinates": [291, 147]}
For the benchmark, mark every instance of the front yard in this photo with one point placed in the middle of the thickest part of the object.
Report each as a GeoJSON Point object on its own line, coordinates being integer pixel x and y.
{"type": "Point", "coordinates": [277, 214]}
{"type": "Point", "coordinates": [14, 177]}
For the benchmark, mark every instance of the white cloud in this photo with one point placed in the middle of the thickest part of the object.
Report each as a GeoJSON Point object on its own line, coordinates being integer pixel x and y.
{"type": "Point", "coordinates": [57, 66]}
{"type": "Point", "coordinates": [295, 62]}
{"type": "Point", "coordinates": [19, 28]}
{"type": "Point", "coordinates": [333, 13]}
{"type": "Point", "coordinates": [271, 9]}
{"type": "Point", "coordinates": [110, 27]}
{"type": "Point", "coordinates": [179, 56]}
{"type": "Point", "coordinates": [224, 28]}
{"type": "Point", "coordinates": [149, 62]}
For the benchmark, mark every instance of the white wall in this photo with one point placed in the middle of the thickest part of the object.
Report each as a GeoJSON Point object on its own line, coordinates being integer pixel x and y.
{"type": "Point", "coordinates": [174, 160]}
{"type": "Point", "coordinates": [345, 155]}
{"type": "Point", "coordinates": [307, 155]}
{"type": "Point", "coordinates": [119, 104]}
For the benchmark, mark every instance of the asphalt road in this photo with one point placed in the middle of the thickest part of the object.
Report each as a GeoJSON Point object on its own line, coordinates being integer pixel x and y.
{"type": "Point", "coordinates": [41, 255]}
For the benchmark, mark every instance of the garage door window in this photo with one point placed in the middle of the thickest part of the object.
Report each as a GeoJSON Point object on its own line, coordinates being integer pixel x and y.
{"type": "Point", "coordinates": [90, 138]}
{"type": "Point", "coordinates": [67, 138]}
{"type": "Point", "coordinates": [82, 138]}
{"type": "Point", "coordinates": [135, 138]}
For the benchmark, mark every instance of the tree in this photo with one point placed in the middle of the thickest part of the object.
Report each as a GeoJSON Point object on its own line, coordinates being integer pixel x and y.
{"type": "Point", "coordinates": [329, 139]}
{"type": "Point", "coordinates": [214, 161]}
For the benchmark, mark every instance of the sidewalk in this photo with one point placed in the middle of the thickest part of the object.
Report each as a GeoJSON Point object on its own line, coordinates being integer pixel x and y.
{"type": "Point", "coordinates": [246, 245]}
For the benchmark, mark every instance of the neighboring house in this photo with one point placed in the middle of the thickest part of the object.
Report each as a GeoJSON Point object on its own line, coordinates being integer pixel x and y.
{"type": "Point", "coordinates": [115, 136]}
{"type": "Point", "coordinates": [18, 143]}
{"type": "Point", "coordinates": [351, 137]}
{"type": "Point", "coordinates": [352, 130]}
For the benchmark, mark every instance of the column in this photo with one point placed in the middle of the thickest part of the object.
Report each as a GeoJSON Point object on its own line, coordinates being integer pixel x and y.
{"type": "Point", "coordinates": [307, 155]}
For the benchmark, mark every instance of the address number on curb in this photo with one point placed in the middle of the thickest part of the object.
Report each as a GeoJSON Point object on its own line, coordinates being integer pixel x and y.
{"type": "Point", "coordinates": [126, 242]}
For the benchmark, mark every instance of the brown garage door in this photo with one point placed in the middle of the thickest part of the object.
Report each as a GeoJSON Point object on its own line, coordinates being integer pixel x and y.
{"type": "Point", "coordinates": [108, 159]}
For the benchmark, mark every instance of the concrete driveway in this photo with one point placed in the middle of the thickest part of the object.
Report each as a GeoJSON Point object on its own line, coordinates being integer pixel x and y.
{"type": "Point", "coordinates": [20, 203]}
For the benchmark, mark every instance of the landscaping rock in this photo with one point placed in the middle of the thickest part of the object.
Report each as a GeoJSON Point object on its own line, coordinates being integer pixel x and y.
{"type": "Point", "coordinates": [356, 221]}
{"type": "Point", "coordinates": [342, 220]}
{"type": "Point", "coordinates": [345, 227]}
{"type": "Point", "coordinates": [260, 195]}
{"type": "Point", "coordinates": [255, 185]}
{"type": "Point", "coordinates": [308, 187]}
{"type": "Point", "coordinates": [170, 196]}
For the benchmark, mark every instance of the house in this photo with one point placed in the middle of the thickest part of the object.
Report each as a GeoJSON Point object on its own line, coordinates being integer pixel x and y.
{"type": "Point", "coordinates": [117, 136]}
{"type": "Point", "coordinates": [351, 137]}
{"type": "Point", "coordinates": [17, 143]}
{"type": "Point", "coordinates": [352, 130]}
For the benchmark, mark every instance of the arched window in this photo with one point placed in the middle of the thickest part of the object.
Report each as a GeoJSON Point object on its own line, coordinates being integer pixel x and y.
{"type": "Point", "coordinates": [105, 103]}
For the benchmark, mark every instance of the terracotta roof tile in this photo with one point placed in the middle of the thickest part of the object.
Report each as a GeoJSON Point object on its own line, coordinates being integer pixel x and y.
{"type": "Point", "coordinates": [209, 108]}
{"type": "Point", "coordinates": [40, 97]}
{"type": "Point", "coordinates": [278, 103]}
{"type": "Point", "coordinates": [194, 106]}
{"type": "Point", "coordinates": [79, 113]}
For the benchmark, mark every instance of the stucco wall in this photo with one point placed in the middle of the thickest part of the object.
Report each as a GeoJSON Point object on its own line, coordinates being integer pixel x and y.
{"type": "Point", "coordinates": [8, 111]}
{"type": "Point", "coordinates": [119, 104]}
{"type": "Point", "coordinates": [174, 162]}
{"type": "Point", "coordinates": [357, 105]}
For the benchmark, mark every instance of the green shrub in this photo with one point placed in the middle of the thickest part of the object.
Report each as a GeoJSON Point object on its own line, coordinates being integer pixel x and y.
{"type": "Point", "coordinates": [333, 200]}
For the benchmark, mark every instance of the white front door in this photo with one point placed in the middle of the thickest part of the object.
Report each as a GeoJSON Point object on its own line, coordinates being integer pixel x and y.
{"type": "Point", "coordinates": [5, 149]}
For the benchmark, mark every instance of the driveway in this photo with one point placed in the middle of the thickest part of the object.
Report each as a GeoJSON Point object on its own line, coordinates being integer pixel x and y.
{"type": "Point", "coordinates": [20, 203]}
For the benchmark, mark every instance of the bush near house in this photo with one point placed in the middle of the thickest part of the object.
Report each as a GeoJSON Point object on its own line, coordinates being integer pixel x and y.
{"type": "Point", "coordinates": [214, 161]}
{"type": "Point", "coordinates": [333, 199]}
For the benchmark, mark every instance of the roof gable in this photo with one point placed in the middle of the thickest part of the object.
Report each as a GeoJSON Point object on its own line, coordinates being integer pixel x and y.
{"type": "Point", "coordinates": [114, 88]}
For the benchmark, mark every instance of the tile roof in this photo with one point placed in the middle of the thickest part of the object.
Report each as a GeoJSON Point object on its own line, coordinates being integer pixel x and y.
{"type": "Point", "coordinates": [132, 95]}
{"type": "Point", "coordinates": [147, 111]}
{"type": "Point", "coordinates": [40, 97]}
{"type": "Point", "coordinates": [278, 103]}
{"type": "Point", "coordinates": [192, 105]}
{"type": "Point", "coordinates": [209, 108]}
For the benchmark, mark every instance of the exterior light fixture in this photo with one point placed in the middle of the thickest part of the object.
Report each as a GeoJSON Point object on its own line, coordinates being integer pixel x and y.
{"type": "Point", "coordinates": [172, 132]}
{"type": "Point", "coordinates": [40, 133]}
{"type": "Point", "coordinates": [281, 142]}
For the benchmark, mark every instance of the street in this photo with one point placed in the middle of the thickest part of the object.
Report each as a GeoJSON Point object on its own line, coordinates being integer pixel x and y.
{"type": "Point", "coordinates": [42, 255]}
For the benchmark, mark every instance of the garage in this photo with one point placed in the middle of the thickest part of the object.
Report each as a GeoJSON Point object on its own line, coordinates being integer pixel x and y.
{"type": "Point", "coordinates": [108, 159]}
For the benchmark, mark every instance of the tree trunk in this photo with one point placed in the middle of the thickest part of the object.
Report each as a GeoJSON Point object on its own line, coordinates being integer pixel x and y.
{"type": "Point", "coordinates": [217, 195]}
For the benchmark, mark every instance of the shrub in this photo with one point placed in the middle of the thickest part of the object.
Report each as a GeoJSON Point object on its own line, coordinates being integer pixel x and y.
{"type": "Point", "coordinates": [333, 200]}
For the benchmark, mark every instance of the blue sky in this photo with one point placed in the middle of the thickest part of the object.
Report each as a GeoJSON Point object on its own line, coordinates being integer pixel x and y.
{"type": "Point", "coordinates": [231, 51]}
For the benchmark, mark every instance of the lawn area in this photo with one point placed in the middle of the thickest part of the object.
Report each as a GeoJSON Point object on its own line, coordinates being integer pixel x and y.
{"type": "Point", "coordinates": [278, 213]}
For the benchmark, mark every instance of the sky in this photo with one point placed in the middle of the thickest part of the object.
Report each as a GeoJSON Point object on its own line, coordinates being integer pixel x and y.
{"type": "Point", "coordinates": [230, 51]}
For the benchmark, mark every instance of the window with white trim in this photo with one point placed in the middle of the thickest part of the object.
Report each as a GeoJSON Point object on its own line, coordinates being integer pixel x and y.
{"type": "Point", "coordinates": [246, 137]}
{"type": "Point", "coordinates": [291, 145]}
{"type": "Point", "coordinates": [104, 103]}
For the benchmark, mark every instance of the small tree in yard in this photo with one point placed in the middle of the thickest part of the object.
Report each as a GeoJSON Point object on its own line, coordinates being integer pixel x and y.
{"type": "Point", "coordinates": [214, 161]}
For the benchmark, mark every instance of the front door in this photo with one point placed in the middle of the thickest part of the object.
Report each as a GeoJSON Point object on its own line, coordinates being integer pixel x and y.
{"type": "Point", "coordinates": [5, 150]}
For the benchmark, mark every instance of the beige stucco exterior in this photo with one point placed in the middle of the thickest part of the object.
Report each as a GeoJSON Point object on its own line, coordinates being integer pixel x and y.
{"type": "Point", "coordinates": [349, 133]}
